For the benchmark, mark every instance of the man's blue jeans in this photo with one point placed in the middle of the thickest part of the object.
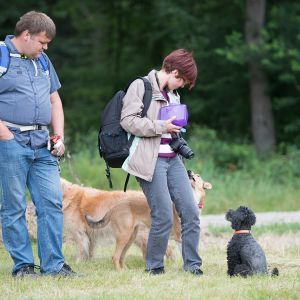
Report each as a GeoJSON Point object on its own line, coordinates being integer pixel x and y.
{"type": "Point", "coordinates": [170, 184]}
{"type": "Point", "coordinates": [21, 166]}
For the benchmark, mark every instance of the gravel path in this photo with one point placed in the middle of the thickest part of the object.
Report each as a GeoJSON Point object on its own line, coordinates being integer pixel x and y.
{"type": "Point", "coordinates": [261, 218]}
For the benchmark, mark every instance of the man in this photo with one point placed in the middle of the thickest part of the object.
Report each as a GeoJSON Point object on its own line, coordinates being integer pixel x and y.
{"type": "Point", "coordinates": [29, 101]}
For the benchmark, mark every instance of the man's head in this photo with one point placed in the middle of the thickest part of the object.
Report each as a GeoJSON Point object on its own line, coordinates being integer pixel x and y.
{"type": "Point", "coordinates": [36, 22]}
{"type": "Point", "coordinates": [34, 31]}
{"type": "Point", "coordinates": [182, 65]}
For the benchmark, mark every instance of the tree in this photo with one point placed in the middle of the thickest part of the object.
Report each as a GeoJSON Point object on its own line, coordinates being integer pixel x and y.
{"type": "Point", "coordinates": [100, 45]}
{"type": "Point", "coordinates": [262, 116]}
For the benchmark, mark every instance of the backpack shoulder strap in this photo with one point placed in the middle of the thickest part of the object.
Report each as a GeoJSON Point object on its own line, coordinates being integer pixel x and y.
{"type": "Point", "coordinates": [4, 58]}
{"type": "Point", "coordinates": [44, 63]}
{"type": "Point", "coordinates": [147, 95]}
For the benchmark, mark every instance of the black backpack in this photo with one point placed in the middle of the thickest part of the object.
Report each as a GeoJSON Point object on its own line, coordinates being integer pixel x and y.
{"type": "Point", "coordinates": [113, 142]}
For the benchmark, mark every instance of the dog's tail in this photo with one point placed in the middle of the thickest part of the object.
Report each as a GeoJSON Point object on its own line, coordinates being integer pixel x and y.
{"type": "Point", "coordinates": [275, 272]}
{"type": "Point", "coordinates": [100, 223]}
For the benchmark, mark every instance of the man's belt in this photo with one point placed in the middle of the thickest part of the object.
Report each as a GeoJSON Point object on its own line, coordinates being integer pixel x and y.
{"type": "Point", "coordinates": [25, 127]}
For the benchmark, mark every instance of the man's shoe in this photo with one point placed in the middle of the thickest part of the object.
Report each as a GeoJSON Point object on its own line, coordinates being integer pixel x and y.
{"type": "Point", "coordinates": [197, 272]}
{"type": "Point", "coordinates": [26, 271]}
{"type": "Point", "coordinates": [65, 271]}
{"type": "Point", "coordinates": [156, 271]}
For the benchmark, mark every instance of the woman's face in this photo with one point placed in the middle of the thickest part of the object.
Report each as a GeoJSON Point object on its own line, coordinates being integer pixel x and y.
{"type": "Point", "coordinates": [175, 81]}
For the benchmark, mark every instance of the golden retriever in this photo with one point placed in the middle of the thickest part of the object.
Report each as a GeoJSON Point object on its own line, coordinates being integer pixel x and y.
{"type": "Point", "coordinates": [130, 219]}
{"type": "Point", "coordinates": [79, 201]}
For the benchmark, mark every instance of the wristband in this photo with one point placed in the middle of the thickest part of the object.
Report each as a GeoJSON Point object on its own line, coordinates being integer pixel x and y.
{"type": "Point", "coordinates": [56, 141]}
{"type": "Point", "coordinates": [55, 137]}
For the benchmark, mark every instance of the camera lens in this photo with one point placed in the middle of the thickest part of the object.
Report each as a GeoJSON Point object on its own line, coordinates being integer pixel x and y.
{"type": "Point", "coordinates": [186, 152]}
{"type": "Point", "coordinates": [179, 145]}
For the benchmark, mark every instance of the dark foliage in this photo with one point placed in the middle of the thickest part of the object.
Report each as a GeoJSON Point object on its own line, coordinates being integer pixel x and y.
{"type": "Point", "coordinates": [100, 45]}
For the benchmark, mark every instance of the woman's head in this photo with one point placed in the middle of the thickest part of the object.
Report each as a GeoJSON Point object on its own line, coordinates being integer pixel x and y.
{"type": "Point", "coordinates": [182, 61]}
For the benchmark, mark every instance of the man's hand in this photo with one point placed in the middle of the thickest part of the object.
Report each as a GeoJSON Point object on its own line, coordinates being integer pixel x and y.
{"type": "Point", "coordinates": [5, 133]}
{"type": "Point", "coordinates": [59, 151]}
{"type": "Point", "coordinates": [171, 128]}
{"type": "Point", "coordinates": [58, 145]}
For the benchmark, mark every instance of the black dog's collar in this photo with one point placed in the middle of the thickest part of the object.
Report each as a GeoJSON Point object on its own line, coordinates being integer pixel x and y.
{"type": "Point", "coordinates": [242, 231]}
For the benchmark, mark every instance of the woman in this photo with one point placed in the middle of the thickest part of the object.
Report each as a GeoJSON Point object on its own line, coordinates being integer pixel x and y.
{"type": "Point", "coordinates": [158, 169]}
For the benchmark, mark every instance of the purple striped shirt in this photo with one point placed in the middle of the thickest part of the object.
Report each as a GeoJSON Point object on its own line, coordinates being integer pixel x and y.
{"type": "Point", "coordinates": [164, 149]}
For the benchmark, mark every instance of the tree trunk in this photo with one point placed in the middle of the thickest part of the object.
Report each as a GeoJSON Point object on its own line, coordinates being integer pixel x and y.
{"type": "Point", "coordinates": [261, 109]}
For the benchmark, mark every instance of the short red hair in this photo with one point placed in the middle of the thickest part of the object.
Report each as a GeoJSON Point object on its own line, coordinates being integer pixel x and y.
{"type": "Point", "coordinates": [182, 61]}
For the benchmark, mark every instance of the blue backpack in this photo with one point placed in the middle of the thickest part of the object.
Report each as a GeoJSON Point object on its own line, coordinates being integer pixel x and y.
{"type": "Point", "coordinates": [5, 56]}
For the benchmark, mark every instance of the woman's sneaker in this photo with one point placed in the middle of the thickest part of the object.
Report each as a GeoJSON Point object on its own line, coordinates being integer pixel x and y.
{"type": "Point", "coordinates": [156, 271]}
{"type": "Point", "coordinates": [26, 271]}
{"type": "Point", "coordinates": [197, 272]}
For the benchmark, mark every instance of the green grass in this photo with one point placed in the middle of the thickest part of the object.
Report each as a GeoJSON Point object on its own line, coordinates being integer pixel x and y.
{"type": "Point", "coordinates": [101, 281]}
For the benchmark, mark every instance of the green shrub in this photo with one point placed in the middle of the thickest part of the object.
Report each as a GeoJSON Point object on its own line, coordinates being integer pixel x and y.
{"type": "Point", "coordinates": [238, 175]}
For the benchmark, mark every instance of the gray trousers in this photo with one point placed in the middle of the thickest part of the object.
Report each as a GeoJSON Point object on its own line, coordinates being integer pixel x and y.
{"type": "Point", "coordinates": [170, 185]}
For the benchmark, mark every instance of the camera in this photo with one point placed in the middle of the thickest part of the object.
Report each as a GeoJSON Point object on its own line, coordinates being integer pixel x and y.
{"type": "Point", "coordinates": [180, 146]}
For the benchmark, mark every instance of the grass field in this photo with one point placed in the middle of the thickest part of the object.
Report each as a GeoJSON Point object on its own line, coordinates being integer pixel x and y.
{"type": "Point", "coordinates": [238, 178]}
{"type": "Point", "coordinates": [100, 281]}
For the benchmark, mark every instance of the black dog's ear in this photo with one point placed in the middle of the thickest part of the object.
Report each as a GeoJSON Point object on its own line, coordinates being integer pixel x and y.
{"type": "Point", "coordinates": [250, 218]}
{"type": "Point", "coordinates": [228, 215]}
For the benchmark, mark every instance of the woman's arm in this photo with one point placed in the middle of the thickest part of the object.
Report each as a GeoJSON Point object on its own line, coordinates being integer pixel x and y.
{"type": "Point", "coordinates": [131, 119]}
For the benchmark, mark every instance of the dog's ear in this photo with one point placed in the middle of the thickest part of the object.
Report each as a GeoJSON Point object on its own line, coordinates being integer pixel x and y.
{"type": "Point", "coordinates": [207, 185]}
{"type": "Point", "coordinates": [250, 218]}
{"type": "Point", "coordinates": [228, 215]}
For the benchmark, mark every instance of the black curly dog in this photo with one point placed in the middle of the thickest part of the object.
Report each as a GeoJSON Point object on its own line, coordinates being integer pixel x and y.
{"type": "Point", "coordinates": [245, 257]}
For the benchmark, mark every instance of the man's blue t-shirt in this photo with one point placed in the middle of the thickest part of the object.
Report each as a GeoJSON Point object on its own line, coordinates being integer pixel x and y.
{"type": "Point", "coordinates": [25, 96]}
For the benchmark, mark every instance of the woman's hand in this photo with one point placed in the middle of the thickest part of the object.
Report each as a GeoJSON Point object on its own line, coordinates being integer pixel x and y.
{"type": "Point", "coordinates": [171, 128]}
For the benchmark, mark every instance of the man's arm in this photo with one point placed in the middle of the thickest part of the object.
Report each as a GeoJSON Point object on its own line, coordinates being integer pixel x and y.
{"type": "Point", "coordinates": [5, 133]}
{"type": "Point", "coordinates": [57, 120]}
